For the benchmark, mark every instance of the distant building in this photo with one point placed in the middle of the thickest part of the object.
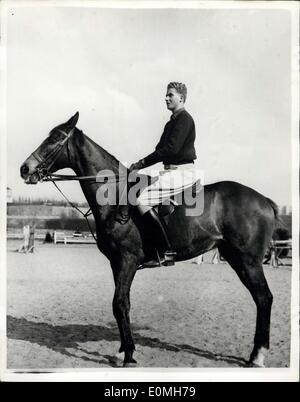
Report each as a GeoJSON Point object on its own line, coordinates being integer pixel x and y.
{"type": "Point", "coordinates": [285, 210]}
{"type": "Point", "coordinates": [9, 198]}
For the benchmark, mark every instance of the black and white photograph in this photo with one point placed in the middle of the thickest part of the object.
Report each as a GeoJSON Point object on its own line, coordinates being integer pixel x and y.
{"type": "Point", "coordinates": [150, 190]}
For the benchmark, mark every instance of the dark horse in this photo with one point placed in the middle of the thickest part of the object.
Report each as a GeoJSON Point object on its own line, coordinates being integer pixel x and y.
{"type": "Point", "coordinates": [236, 219]}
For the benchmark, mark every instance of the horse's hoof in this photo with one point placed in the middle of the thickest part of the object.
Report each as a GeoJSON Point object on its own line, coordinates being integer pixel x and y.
{"type": "Point", "coordinates": [255, 365]}
{"type": "Point", "coordinates": [131, 363]}
{"type": "Point", "coordinates": [258, 359]}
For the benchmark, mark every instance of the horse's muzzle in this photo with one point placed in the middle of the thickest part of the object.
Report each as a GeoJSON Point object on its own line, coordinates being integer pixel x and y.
{"type": "Point", "coordinates": [28, 178]}
{"type": "Point", "coordinates": [24, 170]}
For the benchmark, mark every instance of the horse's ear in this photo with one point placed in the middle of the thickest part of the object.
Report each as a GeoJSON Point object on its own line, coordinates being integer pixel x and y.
{"type": "Point", "coordinates": [73, 120]}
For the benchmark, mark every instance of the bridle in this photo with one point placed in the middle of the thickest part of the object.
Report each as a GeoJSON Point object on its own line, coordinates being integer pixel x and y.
{"type": "Point", "coordinates": [42, 170]}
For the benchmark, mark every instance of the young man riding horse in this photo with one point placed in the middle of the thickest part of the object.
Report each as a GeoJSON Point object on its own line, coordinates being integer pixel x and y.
{"type": "Point", "coordinates": [176, 151]}
{"type": "Point", "coordinates": [236, 219]}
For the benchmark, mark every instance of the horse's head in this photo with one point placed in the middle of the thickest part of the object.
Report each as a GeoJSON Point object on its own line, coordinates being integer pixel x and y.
{"type": "Point", "coordinates": [51, 155]}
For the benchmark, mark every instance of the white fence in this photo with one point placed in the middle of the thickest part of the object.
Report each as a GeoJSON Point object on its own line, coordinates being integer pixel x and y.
{"type": "Point", "coordinates": [275, 251]}
{"type": "Point", "coordinates": [61, 237]}
{"type": "Point", "coordinates": [274, 256]}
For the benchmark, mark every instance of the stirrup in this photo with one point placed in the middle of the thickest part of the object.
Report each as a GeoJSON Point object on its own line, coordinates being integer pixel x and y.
{"type": "Point", "coordinates": [167, 260]}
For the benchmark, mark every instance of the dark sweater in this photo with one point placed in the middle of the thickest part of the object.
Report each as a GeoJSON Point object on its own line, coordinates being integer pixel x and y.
{"type": "Point", "coordinates": [176, 145]}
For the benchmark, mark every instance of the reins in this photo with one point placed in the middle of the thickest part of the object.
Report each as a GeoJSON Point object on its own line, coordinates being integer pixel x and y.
{"type": "Point", "coordinates": [58, 177]}
{"type": "Point", "coordinates": [85, 215]}
{"type": "Point", "coordinates": [99, 178]}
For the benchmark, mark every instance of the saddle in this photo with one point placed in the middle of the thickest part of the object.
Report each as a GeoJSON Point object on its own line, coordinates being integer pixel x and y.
{"type": "Point", "coordinates": [165, 209]}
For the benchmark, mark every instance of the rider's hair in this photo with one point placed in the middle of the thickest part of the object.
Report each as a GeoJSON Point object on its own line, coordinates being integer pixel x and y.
{"type": "Point", "coordinates": [179, 87]}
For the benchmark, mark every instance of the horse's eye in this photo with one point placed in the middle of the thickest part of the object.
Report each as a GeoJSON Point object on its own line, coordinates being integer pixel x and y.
{"type": "Point", "coordinates": [54, 137]}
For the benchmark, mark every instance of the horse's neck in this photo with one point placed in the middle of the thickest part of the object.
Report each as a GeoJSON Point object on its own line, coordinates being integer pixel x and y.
{"type": "Point", "coordinates": [89, 159]}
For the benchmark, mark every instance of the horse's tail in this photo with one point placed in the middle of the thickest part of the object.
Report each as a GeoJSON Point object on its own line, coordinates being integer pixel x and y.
{"type": "Point", "coordinates": [278, 221]}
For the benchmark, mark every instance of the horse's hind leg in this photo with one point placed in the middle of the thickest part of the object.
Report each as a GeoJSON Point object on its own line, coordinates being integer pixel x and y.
{"type": "Point", "coordinates": [250, 272]}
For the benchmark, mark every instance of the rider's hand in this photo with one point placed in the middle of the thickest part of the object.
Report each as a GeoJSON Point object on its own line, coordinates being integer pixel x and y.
{"type": "Point", "coordinates": [137, 166]}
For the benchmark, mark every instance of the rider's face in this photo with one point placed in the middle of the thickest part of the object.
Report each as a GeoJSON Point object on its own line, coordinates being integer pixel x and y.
{"type": "Point", "coordinates": [174, 100]}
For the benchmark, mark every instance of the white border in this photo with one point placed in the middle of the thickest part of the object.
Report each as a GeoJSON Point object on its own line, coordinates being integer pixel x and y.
{"type": "Point", "coordinates": [159, 375]}
{"type": "Point", "coordinates": [3, 192]}
{"type": "Point", "coordinates": [295, 191]}
{"type": "Point", "coordinates": [144, 4]}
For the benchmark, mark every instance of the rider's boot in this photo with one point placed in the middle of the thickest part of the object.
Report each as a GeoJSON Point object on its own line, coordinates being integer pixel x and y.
{"type": "Point", "coordinates": [168, 256]}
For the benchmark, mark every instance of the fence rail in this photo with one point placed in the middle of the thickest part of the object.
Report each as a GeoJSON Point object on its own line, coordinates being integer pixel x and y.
{"type": "Point", "coordinates": [61, 237]}
{"type": "Point", "coordinates": [276, 249]}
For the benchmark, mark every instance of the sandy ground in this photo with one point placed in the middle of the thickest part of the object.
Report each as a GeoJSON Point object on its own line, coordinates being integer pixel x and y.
{"type": "Point", "coordinates": [60, 316]}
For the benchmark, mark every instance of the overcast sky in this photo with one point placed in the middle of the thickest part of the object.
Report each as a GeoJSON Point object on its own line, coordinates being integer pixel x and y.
{"type": "Point", "coordinates": [113, 65]}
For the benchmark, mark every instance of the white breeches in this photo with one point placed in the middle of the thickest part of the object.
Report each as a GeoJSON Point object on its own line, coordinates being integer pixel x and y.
{"type": "Point", "coordinates": [170, 182]}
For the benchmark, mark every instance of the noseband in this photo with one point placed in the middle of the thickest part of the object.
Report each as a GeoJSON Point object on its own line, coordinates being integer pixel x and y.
{"type": "Point", "coordinates": [45, 164]}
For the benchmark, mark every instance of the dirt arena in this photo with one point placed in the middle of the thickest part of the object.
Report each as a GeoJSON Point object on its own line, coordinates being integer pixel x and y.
{"type": "Point", "coordinates": [59, 313]}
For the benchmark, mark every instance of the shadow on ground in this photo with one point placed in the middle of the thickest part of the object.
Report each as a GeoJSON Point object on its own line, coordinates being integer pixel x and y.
{"type": "Point", "coordinates": [60, 338]}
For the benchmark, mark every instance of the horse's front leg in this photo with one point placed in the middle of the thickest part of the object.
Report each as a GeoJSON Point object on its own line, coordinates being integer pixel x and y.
{"type": "Point", "coordinates": [124, 272]}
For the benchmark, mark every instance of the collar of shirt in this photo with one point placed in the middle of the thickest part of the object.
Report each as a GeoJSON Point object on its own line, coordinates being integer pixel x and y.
{"type": "Point", "coordinates": [174, 115]}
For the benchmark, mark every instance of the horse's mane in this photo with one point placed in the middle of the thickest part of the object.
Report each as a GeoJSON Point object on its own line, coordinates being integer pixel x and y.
{"type": "Point", "coordinates": [111, 159]}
